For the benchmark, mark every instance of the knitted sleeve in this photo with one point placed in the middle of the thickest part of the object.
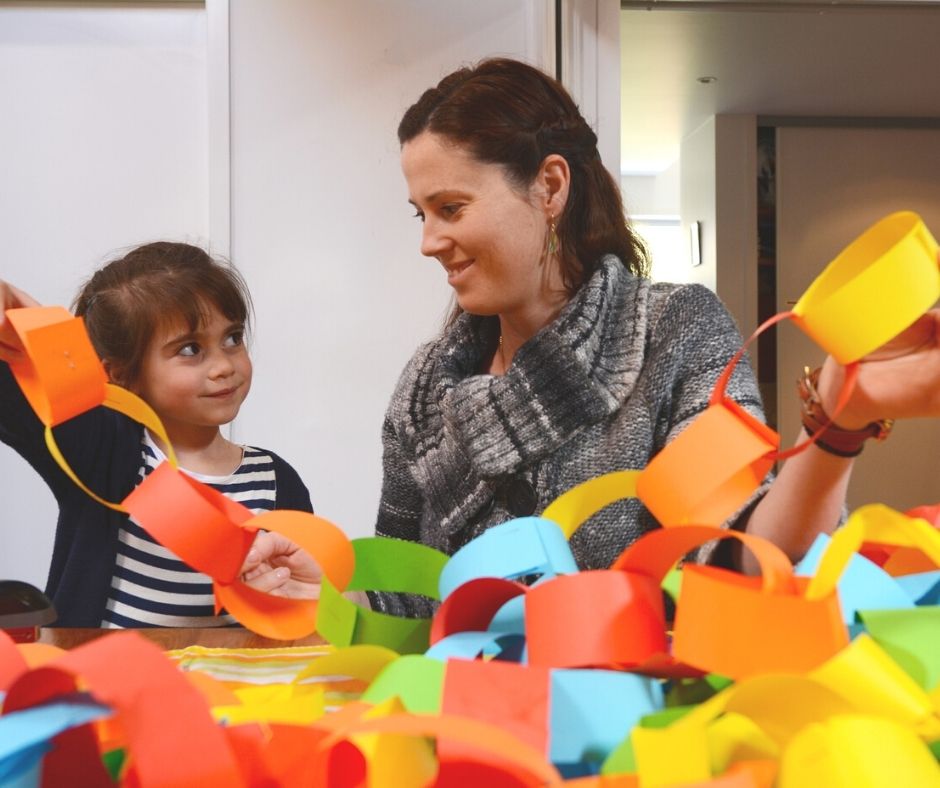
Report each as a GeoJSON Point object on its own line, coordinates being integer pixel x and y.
{"type": "Point", "coordinates": [695, 337]}
{"type": "Point", "coordinates": [399, 518]}
{"type": "Point", "coordinates": [698, 336]}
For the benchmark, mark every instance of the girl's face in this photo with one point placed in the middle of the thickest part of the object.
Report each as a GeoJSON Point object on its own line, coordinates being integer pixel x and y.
{"type": "Point", "coordinates": [489, 237]}
{"type": "Point", "coordinates": [196, 379]}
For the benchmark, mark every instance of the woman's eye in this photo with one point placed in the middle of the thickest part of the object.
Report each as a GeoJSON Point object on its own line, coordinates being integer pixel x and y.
{"type": "Point", "coordinates": [190, 349]}
{"type": "Point", "coordinates": [419, 215]}
{"type": "Point", "coordinates": [450, 209]}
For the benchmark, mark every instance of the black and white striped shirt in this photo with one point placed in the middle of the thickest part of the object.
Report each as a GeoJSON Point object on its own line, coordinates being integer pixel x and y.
{"type": "Point", "coordinates": [151, 587]}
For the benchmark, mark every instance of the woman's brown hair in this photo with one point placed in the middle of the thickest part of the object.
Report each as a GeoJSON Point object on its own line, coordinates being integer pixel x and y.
{"type": "Point", "coordinates": [506, 112]}
{"type": "Point", "coordinates": [127, 301]}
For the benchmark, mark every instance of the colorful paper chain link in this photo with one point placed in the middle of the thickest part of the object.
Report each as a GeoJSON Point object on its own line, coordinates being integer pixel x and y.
{"type": "Point", "coordinates": [807, 704]}
{"type": "Point", "coordinates": [854, 718]}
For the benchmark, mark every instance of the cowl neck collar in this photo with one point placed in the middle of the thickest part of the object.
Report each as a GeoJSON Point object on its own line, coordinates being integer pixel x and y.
{"type": "Point", "coordinates": [575, 372]}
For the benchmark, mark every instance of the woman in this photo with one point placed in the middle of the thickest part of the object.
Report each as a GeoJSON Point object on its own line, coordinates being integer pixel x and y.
{"type": "Point", "coordinates": [561, 362]}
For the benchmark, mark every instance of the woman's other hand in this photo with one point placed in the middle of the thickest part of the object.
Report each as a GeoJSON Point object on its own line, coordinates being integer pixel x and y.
{"type": "Point", "coordinates": [900, 380]}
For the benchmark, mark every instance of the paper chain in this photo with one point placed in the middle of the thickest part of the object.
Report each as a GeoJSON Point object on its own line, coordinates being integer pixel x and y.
{"type": "Point", "coordinates": [566, 685]}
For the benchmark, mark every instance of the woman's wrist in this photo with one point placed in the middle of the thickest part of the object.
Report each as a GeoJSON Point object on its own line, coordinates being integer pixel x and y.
{"type": "Point", "coordinates": [836, 438]}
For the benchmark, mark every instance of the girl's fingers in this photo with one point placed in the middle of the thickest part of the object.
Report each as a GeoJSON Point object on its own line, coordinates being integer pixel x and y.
{"type": "Point", "coordinates": [270, 581]}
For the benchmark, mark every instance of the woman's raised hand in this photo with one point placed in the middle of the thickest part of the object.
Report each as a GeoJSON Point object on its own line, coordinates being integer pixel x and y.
{"type": "Point", "coordinates": [900, 380]}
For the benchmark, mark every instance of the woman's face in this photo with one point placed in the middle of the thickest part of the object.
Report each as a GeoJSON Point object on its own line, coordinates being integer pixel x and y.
{"type": "Point", "coordinates": [489, 236]}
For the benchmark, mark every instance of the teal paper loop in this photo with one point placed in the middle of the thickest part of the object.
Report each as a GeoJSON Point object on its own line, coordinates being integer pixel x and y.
{"type": "Point", "coordinates": [524, 546]}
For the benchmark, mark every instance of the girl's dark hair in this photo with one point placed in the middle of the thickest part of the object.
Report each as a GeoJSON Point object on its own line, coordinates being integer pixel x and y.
{"type": "Point", "coordinates": [128, 300]}
{"type": "Point", "coordinates": [505, 112]}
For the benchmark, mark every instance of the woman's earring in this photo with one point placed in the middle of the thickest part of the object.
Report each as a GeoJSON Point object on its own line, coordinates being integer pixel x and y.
{"type": "Point", "coordinates": [552, 236]}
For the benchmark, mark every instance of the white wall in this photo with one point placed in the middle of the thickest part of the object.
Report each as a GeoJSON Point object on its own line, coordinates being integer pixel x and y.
{"type": "Point", "coordinates": [103, 144]}
{"type": "Point", "coordinates": [321, 224]}
{"type": "Point", "coordinates": [697, 198]}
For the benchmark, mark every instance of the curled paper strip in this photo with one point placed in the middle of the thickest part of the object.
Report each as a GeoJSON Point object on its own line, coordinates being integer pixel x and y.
{"type": "Point", "coordinates": [731, 451]}
{"type": "Point", "coordinates": [133, 677]}
{"type": "Point", "coordinates": [60, 374]}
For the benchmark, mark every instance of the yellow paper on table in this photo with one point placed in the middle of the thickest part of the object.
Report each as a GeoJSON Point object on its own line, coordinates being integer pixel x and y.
{"type": "Point", "coordinates": [395, 759]}
{"type": "Point", "coordinates": [671, 756]}
{"type": "Point", "coordinates": [864, 674]}
{"type": "Point", "coordinates": [854, 751]}
{"type": "Point", "coordinates": [874, 289]}
{"type": "Point", "coordinates": [292, 705]}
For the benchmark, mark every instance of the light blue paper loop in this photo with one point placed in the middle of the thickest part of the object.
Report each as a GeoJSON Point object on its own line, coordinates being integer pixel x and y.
{"type": "Point", "coordinates": [593, 711]}
{"type": "Point", "coordinates": [863, 585]}
{"type": "Point", "coordinates": [524, 546]}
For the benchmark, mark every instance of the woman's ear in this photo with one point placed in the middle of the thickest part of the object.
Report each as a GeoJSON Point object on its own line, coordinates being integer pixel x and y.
{"type": "Point", "coordinates": [554, 180]}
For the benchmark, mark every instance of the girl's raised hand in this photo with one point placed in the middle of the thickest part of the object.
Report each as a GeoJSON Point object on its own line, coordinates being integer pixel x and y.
{"type": "Point", "coordinates": [11, 298]}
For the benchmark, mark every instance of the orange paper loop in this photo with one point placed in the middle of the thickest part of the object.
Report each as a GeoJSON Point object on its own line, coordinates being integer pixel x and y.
{"type": "Point", "coordinates": [61, 375]}
{"type": "Point", "coordinates": [730, 449]}
{"type": "Point", "coordinates": [734, 625]}
{"type": "Point", "coordinates": [492, 743]}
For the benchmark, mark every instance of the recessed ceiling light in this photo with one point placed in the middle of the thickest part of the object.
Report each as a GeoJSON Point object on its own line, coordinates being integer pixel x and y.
{"type": "Point", "coordinates": [707, 80]}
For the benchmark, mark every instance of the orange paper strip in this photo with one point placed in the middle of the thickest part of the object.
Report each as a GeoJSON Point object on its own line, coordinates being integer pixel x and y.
{"type": "Point", "coordinates": [61, 375]}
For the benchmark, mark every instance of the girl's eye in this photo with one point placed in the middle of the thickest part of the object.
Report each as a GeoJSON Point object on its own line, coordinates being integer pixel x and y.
{"type": "Point", "coordinates": [189, 349]}
{"type": "Point", "coordinates": [235, 339]}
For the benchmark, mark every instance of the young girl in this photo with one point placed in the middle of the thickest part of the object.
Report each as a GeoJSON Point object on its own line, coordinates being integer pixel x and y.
{"type": "Point", "coordinates": [169, 324]}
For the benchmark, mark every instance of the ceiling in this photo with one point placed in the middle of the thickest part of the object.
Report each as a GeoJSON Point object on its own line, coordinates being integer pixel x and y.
{"type": "Point", "coordinates": [848, 60]}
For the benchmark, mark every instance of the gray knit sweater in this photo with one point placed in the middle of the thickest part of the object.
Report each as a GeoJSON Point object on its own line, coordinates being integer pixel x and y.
{"type": "Point", "coordinates": [623, 369]}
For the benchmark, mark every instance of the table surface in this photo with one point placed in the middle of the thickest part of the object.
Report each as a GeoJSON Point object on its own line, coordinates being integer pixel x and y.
{"type": "Point", "coordinates": [219, 637]}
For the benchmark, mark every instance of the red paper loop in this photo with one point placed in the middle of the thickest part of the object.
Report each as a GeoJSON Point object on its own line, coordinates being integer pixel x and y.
{"type": "Point", "coordinates": [596, 618]}
{"type": "Point", "coordinates": [471, 606]}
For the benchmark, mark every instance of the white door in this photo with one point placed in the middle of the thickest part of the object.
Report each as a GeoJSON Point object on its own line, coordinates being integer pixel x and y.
{"type": "Point", "coordinates": [832, 183]}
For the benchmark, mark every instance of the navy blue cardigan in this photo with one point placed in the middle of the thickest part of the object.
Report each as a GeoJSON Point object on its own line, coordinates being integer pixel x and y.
{"type": "Point", "coordinates": [103, 448]}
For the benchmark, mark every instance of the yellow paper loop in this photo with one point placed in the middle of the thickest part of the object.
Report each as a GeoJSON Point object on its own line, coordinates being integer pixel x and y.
{"type": "Point", "coordinates": [874, 289]}
{"type": "Point", "coordinates": [572, 508]}
{"type": "Point", "coordinates": [875, 523]}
